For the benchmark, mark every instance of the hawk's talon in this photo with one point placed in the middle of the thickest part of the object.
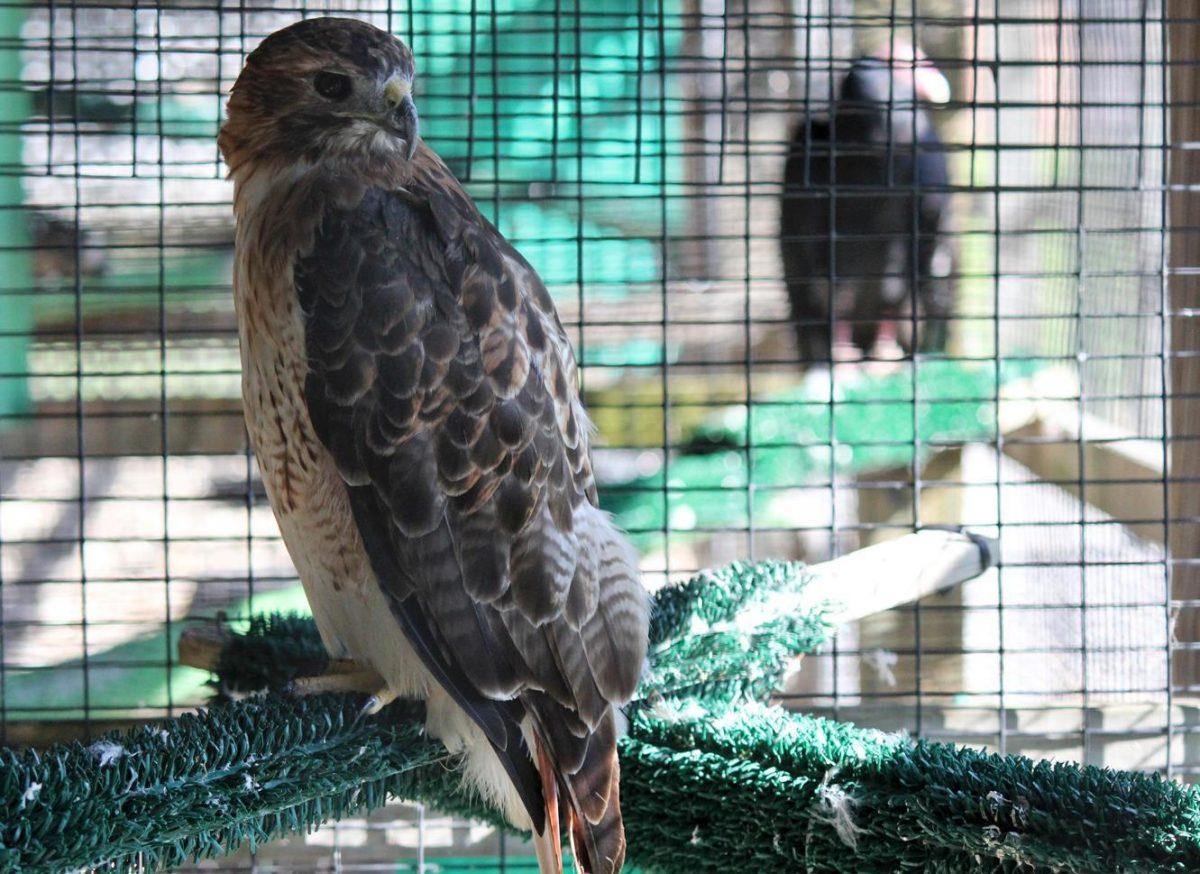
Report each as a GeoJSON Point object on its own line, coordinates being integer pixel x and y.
{"type": "Point", "coordinates": [376, 702]}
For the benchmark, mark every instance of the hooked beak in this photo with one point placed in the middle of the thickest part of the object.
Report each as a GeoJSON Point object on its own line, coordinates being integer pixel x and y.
{"type": "Point", "coordinates": [931, 85]}
{"type": "Point", "coordinates": [401, 117]}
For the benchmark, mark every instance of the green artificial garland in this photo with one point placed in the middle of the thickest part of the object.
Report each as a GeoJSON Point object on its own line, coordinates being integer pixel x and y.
{"type": "Point", "coordinates": [712, 780]}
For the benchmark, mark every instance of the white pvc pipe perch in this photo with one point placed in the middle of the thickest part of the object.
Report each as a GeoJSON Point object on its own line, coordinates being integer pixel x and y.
{"type": "Point", "coordinates": [898, 571]}
{"type": "Point", "coordinates": [867, 581]}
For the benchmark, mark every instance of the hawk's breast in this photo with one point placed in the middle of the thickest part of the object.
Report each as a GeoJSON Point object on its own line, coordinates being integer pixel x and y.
{"type": "Point", "coordinates": [306, 492]}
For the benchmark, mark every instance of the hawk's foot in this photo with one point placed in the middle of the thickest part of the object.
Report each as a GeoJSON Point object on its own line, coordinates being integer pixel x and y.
{"type": "Point", "coordinates": [358, 680]}
{"type": "Point", "coordinates": [343, 675]}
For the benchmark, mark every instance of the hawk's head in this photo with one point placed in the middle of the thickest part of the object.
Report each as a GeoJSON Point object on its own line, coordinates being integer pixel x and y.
{"type": "Point", "coordinates": [321, 89]}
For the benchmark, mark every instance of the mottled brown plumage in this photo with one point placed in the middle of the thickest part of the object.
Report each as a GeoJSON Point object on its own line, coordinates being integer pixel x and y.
{"type": "Point", "coordinates": [411, 397]}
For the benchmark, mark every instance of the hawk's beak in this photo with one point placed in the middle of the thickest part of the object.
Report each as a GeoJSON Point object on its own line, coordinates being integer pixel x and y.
{"type": "Point", "coordinates": [931, 85]}
{"type": "Point", "coordinates": [402, 113]}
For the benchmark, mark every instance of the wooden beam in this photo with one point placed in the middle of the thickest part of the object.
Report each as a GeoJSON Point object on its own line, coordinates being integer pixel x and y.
{"type": "Point", "coordinates": [1122, 475]}
{"type": "Point", "coordinates": [885, 499]}
{"type": "Point", "coordinates": [1184, 305]}
{"type": "Point", "coordinates": [1129, 736]}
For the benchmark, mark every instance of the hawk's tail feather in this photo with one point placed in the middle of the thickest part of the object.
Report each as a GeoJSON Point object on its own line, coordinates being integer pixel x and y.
{"type": "Point", "coordinates": [590, 785]}
{"type": "Point", "coordinates": [600, 847]}
{"type": "Point", "coordinates": [548, 843]}
{"type": "Point", "coordinates": [591, 801]}
{"type": "Point", "coordinates": [594, 811]}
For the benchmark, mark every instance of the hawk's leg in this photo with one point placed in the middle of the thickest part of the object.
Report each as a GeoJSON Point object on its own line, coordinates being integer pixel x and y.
{"type": "Point", "coordinates": [343, 675]}
{"type": "Point", "coordinates": [344, 666]}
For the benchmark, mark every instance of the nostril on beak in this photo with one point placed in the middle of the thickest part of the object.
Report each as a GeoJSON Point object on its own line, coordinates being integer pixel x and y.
{"type": "Point", "coordinates": [395, 91]}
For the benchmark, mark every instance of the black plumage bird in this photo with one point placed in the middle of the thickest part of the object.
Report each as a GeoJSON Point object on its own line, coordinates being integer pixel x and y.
{"type": "Point", "coordinates": [863, 209]}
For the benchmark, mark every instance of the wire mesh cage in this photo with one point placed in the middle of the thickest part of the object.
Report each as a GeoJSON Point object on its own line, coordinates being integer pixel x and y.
{"type": "Point", "coordinates": [834, 269]}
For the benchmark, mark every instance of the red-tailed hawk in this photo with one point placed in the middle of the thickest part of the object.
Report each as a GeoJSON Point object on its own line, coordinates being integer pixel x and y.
{"type": "Point", "coordinates": [411, 397]}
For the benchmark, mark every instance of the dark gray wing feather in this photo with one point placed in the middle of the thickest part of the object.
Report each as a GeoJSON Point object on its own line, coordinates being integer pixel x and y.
{"type": "Point", "coordinates": [443, 385]}
{"type": "Point", "coordinates": [500, 723]}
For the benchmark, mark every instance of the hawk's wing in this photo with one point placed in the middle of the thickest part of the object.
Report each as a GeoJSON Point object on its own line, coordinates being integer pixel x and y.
{"type": "Point", "coordinates": [443, 384]}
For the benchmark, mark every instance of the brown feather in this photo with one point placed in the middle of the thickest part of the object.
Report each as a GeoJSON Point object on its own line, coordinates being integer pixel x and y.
{"type": "Point", "coordinates": [543, 564]}
{"type": "Point", "coordinates": [548, 845]}
{"type": "Point", "coordinates": [592, 782]}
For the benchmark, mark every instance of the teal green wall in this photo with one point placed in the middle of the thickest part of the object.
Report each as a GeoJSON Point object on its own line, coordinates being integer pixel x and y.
{"type": "Point", "coordinates": [571, 138]}
{"type": "Point", "coordinates": [536, 110]}
{"type": "Point", "coordinates": [16, 276]}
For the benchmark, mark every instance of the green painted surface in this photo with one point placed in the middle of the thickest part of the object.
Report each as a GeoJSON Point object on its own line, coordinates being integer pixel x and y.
{"type": "Point", "coordinates": [130, 677]}
{"type": "Point", "coordinates": [529, 120]}
{"type": "Point", "coordinates": [798, 439]}
{"type": "Point", "coordinates": [507, 111]}
{"type": "Point", "coordinates": [563, 141]}
{"type": "Point", "coordinates": [16, 274]}
{"type": "Point", "coordinates": [188, 278]}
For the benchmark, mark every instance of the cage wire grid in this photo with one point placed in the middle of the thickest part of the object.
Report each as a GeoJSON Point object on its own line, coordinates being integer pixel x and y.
{"type": "Point", "coordinates": [635, 153]}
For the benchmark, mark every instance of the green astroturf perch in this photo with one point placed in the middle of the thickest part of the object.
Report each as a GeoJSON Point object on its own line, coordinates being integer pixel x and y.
{"type": "Point", "coordinates": [713, 779]}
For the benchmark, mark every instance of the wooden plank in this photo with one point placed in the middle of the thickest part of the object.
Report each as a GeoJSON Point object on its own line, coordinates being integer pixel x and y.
{"type": "Point", "coordinates": [896, 657]}
{"type": "Point", "coordinates": [113, 428]}
{"type": "Point", "coordinates": [1184, 303]}
{"type": "Point", "coordinates": [1121, 735]}
{"type": "Point", "coordinates": [1048, 718]}
{"type": "Point", "coordinates": [39, 734]}
{"type": "Point", "coordinates": [1119, 475]}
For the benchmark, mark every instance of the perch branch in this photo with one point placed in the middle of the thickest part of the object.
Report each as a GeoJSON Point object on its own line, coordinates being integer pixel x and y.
{"type": "Point", "coordinates": [709, 783]}
{"type": "Point", "coordinates": [898, 572]}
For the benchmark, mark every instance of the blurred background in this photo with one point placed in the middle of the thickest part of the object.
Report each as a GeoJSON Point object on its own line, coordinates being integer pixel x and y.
{"type": "Point", "coordinates": [833, 268]}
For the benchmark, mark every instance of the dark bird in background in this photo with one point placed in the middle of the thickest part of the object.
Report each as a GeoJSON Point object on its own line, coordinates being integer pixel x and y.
{"type": "Point", "coordinates": [863, 211]}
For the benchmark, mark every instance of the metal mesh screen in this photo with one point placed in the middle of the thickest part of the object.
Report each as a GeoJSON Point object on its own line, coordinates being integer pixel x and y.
{"type": "Point", "coordinates": [636, 153]}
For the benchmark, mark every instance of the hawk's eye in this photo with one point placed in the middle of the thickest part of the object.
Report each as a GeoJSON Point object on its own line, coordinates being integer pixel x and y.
{"type": "Point", "coordinates": [335, 86]}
